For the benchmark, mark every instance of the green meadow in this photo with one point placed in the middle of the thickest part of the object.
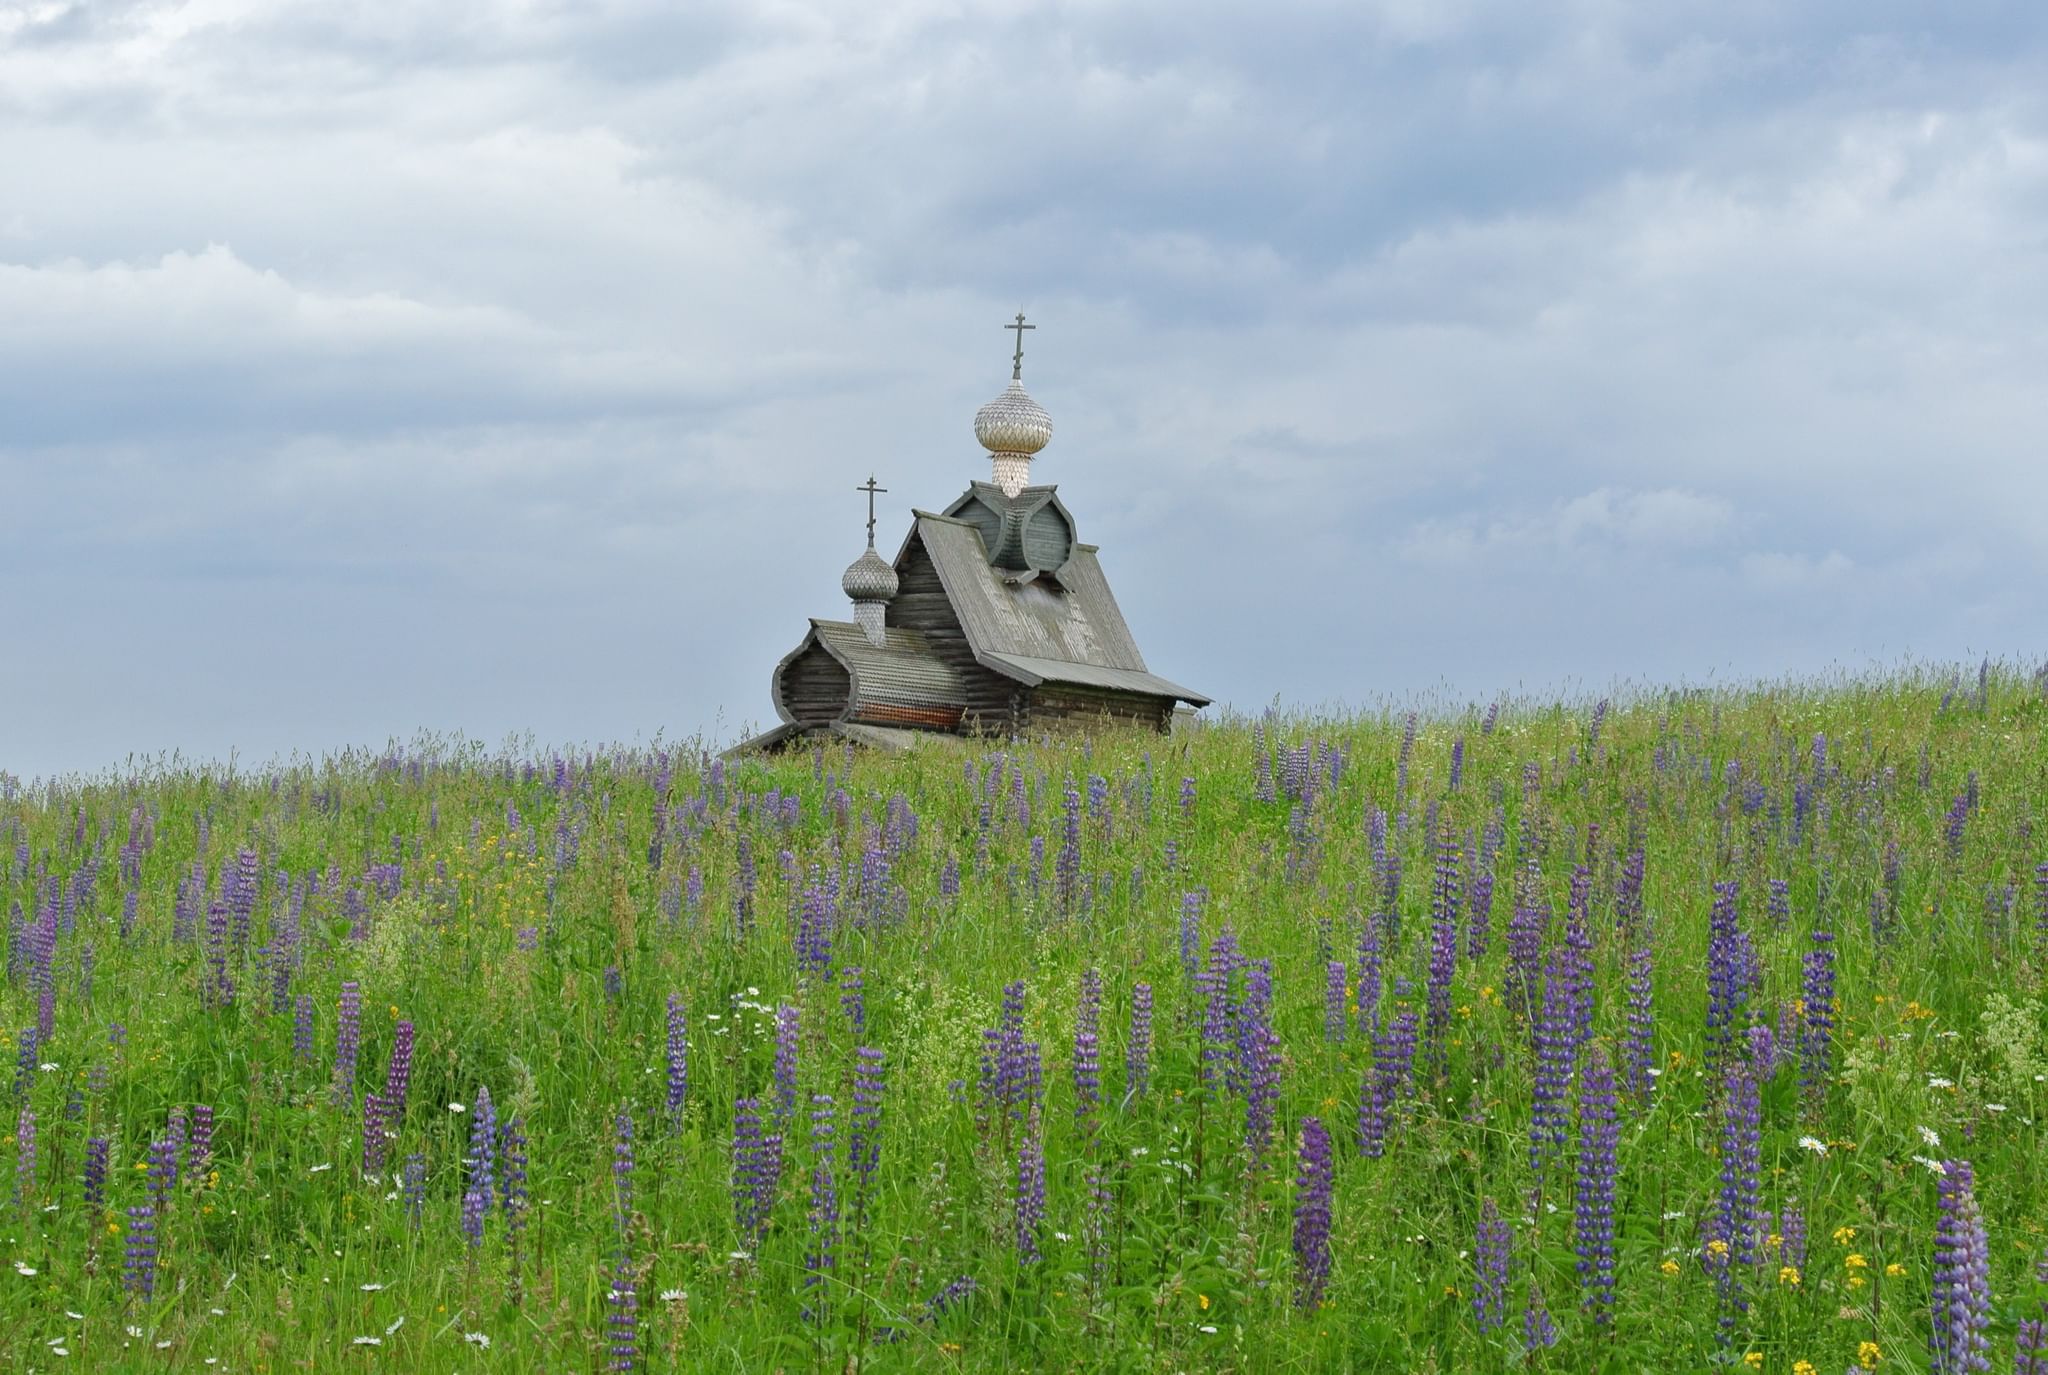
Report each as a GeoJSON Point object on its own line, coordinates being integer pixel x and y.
{"type": "Point", "coordinates": [660, 971]}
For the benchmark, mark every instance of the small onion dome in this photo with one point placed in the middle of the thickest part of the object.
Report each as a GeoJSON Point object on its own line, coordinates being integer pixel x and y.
{"type": "Point", "coordinates": [869, 579]}
{"type": "Point", "coordinates": [1013, 423]}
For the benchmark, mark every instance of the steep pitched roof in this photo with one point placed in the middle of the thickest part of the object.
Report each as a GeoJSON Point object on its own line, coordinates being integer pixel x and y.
{"type": "Point", "coordinates": [1072, 632]}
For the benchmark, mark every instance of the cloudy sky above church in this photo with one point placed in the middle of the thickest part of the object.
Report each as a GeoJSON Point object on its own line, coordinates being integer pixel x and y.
{"type": "Point", "coordinates": [510, 367]}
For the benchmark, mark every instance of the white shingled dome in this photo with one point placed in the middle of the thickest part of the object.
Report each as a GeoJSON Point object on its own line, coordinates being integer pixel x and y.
{"type": "Point", "coordinates": [869, 578]}
{"type": "Point", "coordinates": [1013, 423]}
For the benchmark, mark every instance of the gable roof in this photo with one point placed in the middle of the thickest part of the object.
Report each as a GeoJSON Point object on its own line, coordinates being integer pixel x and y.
{"type": "Point", "coordinates": [1073, 634]}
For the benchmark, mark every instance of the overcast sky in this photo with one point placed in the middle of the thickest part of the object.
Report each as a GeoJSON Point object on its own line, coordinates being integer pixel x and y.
{"type": "Point", "coordinates": [509, 367]}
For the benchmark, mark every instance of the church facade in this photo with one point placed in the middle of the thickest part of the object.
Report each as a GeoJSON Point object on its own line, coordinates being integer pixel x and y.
{"type": "Point", "coordinates": [992, 619]}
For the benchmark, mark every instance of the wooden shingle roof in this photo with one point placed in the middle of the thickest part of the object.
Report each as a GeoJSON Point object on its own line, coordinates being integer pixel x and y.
{"type": "Point", "coordinates": [1060, 627]}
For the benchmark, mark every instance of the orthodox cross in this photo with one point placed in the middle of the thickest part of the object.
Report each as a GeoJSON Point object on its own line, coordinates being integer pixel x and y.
{"type": "Point", "coordinates": [1017, 359]}
{"type": "Point", "coordinates": [871, 489]}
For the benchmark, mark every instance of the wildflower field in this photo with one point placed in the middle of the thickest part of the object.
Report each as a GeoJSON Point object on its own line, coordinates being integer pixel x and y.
{"type": "Point", "coordinates": [1701, 1031]}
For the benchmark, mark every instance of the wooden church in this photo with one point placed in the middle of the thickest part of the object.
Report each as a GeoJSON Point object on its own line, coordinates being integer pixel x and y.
{"type": "Point", "coordinates": [993, 618]}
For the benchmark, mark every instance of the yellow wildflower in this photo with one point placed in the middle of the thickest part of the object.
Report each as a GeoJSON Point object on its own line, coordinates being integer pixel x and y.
{"type": "Point", "coordinates": [1844, 1235]}
{"type": "Point", "coordinates": [1855, 1261]}
{"type": "Point", "coordinates": [1203, 1299]}
{"type": "Point", "coordinates": [1868, 1354]}
{"type": "Point", "coordinates": [1857, 1281]}
{"type": "Point", "coordinates": [1754, 1360]}
{"type": "Point", "coordinates": [1895, 1270]}
{"type": "Point", "coordinates": [1788, 1275]}
{"type": "Point", "coordinates": [1669, 1267]}
{"type": "Point", "coordinates": [1803, 1368]}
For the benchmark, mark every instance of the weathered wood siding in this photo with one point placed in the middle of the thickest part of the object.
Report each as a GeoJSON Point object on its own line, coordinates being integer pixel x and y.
{"type": "Point", "coordinates": [1068, 706]}
{"type": "Point", "coordinates": [813, 688]}
{"type": "Point", "coordinates": [921, 604]}
{"type": "Point", "coordinates": [1048, 540]}
{"type": "Point", "coordinates": [982, 517]}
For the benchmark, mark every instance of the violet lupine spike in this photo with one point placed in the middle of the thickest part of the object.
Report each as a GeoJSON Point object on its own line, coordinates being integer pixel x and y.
{"type": "Point", "coordinates": [1735, 1221]}
{"type": "Point", "coordinates": [1551, 1032]}
{"type": "Point", "coordinates": [2030, 1342]}
{"type": "Point", "coordinates": [1727, 975]}
{"type": "Point", "coordinates": [678, 1050]}
{"type": "Point", "coordinates": [348, 1041]}
{"type": "Point", "coordinates": [25, 1161]}
{"type": "Point", "coordinates": [1816, 1033]}
{"type": "Point", "coordinates": [413, 1184]}
{"type": "Point", "coordinates": [1336, 994]}
{"type": "Point", "coordinates": [1312, 1188]}
{"type": "Point", "coordinates": [1639, 1053]}
{"type": "Point", "coordinates": [199, 1146]}
{"type": "Point", "coordinates": [1538, 1331]}
{"type": "Point", "coordinates": [1491, 1251]}
{"type": "Point", "coordinates": [1368, 998]}
{"type": "Point", "coordinates": [302, 1028]}
{"type": "Point", "coordinates": [824, 1212]}
{"type": "Point", "coordinates": [398, 1074]}
{"type": "Point", "coordinates": [138, 1268]}
{"type": "Point", "coordinates": [1029, 1201]}
{"type": "Point", "coordinates": [483, 1147]}
{"type": "Point", "coordinates": [1593, 1201]}
{"type": "Point", "coordinates": [1443, 961]}
{"type": "Point", "coordinates": [94, 1181]}
{"type": "Point", "coordinates": [1138, 1050]}
{"type": "Point", "coordinates": [864, 1143]}
{"type": "Point", "coordinates": [1087, 1061]}
{"type": "Point", "coordinates": [1393, 1056]}
{"type": "Point", "coordinates": [374, 1132]}
{"type": "Point", "coordinates": [1961, 1301]}
{"type": "Point", "coordinates": [1259, 1054]}
{"type": "Point", "coordinates": [1578, 950]}
{"type": "Point", "coordinates": [853, 1000]}
{"type": "Point", "coordinates": [786, 1032]}
{"type": "Point", "coordinates": [1479, 914]}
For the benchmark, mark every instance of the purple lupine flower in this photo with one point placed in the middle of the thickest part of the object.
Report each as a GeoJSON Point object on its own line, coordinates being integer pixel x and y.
{"type": "Point", "coordinates": [1067, 868]}
{"type": "Point", "coordinates": [1312, 1188]}
{"type": "Point", "coordinates": [1551, 1032]}
{"type": "Point", "coordinates": [1443, 958]}
{"type": "Point", "coordinates": [162, 1173]}
{"type": "Point", "coordinates": [1593, 1202]}
{"type": "Point", "coordinates": [757, 1171]}
{"type": "Point", "coordinates": [199, 1146]}
{"type": "Point", "coordinates": [374, 1132]}
{"type": "Point", "coordinates": [853, 1000]}
{"type": "Point", "coordinates": [1087, 1064]}
{"type": "Point", "coordinates": [483, 1146]}
{"type": "Point", "coordinates": [1779, 903]}
{"type": "Point", "coordinates": [678, 1058]}
{"type": "Point", "coordinates": [1727, 975]}
{"type": "Point", "coordinates": [348, 1041]}
{"type": "Point", "coordinates": [474, 1206]}
{"type": "Point", "coordinates": [1522, 989]}
{"type": "Point", "coordinates": [1538, 1331]}
{"type": "Point", "coordinates": [743, 891]}
{"type": "Point", "coordinates": [1816, 1034]}
{"type": "Point", "coordinates": [1639, 1053]}
{"type": "Point", "coordinates": [1258, 1054]}
{"type": "Point", "coordinates": [1578, 952]}
{"type": "Point", "coordinates": [864, 1143]}
{"type": "Point", "coordinates": [824, 1212]}
{"type": "Point", "coordinates": [218, 990]}
{"type": "Point", "coordinates": [1958, 816]}
{"type": "Point", "coordinates": [1479, 913]}
{"type": "Point", "coordinates": [1336, 1017]}
{"type": "Point", "coordinates": [25, 1161]}
{"type": "Point", "coordinates": [1368, 998]}
{"type": "Point", "coordinates": [1490, 1253]}
{"type": "Point", "coordinates": [1457, 762]}
{"type": "Point", "coordinates": [398, 1074]}
{"type": "Point", "coordinates": [1187, 796]}
{"type": "Point", "coordinates": [1961, 1300]}
{"type": "Point", "coordinates": [302, 1027]}
{"type": "Point", "coordinates": [138, 1271]}
{"type": "Point", "coordinates": [1393, 1058]}
{"type": "Point", "coordinates": [95, 1179]}
{"type": "Point", "coordinates": [786, 1031]}
{"type": "Point", "coordinates": [1138, 1051]}
{"type": "Point", "coordinates": [413, 1183]}
{"type": "Point", "coordinates": [1628, 892]}
{"type": "Point", "coordinates": [1736, 1217]}
{"type": "Point", "coordinates": [1030, 1195]}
